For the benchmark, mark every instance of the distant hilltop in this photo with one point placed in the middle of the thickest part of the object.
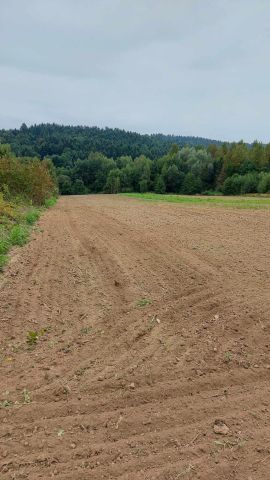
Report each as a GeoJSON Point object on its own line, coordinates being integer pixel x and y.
{"type": "Point", "coordinates": [48, 139]}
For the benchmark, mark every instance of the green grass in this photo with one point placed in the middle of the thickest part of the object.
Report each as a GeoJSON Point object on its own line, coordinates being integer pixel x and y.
{"type": "Point", "coordinates": [16, 222]}
{"type": "Point", "coordinates": [32, 216]}
{"type": "Point", "coordinates": [19, 235]}
{"type": "Point", "coordinates": [4, 242]}
{"type": "Point", "coordinates": [253, 202]}
{"type": "Point", "coordinates": [143, 302]}
{"type": "Point", "coordinates": [3, 261]}
{"type": "Point", "coordinates": [50, 202]}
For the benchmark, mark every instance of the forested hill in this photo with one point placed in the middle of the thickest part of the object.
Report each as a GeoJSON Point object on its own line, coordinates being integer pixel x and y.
{"type": "Point", "coordinates": [77, 142]}
{"type": "Point", "coordinates": [93, 160]}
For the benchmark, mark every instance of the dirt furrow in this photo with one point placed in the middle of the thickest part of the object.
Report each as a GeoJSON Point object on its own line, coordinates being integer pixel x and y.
{"type": "Point", "coordinates": [152, 322]}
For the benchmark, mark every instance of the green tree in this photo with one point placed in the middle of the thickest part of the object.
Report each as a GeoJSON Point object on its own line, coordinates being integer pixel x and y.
{"type": "Point", "coordinates": [65, 185]}
{"type": "Point", "coordinates": [143, 186]}
{"type": "Point", "coordinates": [5, 150]}
{"type": "Point", "coordinates": [173, 178]}
{"type": "Point", "coordinates": [78, 187]}
{"type": "Point", "coordinates": [264, 183]}
{"type": "Point", "coordinates": [191, 184]}
{"type": "Point", "coordinates": [113, 181]}
{"type": "Point", "coordinates": [160, 186]}
{"type": "Point", "coordinates": [232, 185]}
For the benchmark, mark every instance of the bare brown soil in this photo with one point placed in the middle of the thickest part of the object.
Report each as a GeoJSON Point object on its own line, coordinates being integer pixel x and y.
{"type": "Point", "coordinates": [114, 389]}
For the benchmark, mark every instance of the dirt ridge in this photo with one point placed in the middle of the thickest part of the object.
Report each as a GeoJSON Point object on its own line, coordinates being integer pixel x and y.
{"type": "Point", "coordinates": [117, 389]}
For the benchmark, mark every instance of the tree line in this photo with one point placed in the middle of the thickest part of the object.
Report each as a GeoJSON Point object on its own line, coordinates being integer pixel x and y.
{"type": "Point", "coordinates": [92, 160]}
{"type": "Point", "coordinates": [229, 169]}
{"type": "Point", "coordinates": [68, 143]}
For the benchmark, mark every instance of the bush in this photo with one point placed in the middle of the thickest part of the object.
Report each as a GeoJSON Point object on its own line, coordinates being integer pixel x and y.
{"type": "Point", "coordinates": [32, 216]}
{"type": "Point", "coordinates": [23, 182]}
{"type": "Point", "coordinates": [78, 187]}
{"type": "Point", "coordinates": [7, 209]}
{"type": "Point", "coordinates": [249, 183]}
{"type": "Point", "coordinates": [28, 177]}
{"type": "Point", "coordinates": [232, 185]}
{"type": "Point", "coordinates": [12, 233]}
{"type": "Point", "coordinates": [50, 202]}
{"type": "Point", "coordinates": [241, 184]}
{"type": "Point", "coordinates": [19, 235]}
{"type": "Point", "coordinates": [4, 246]}
{"type": "Point", "coordinates": [264, 183]}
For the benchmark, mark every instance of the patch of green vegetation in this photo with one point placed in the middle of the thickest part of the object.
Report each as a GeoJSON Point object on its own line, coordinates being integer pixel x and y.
{"type": "Point", "coordinates": [253, 202]}
{"type": "Point", "coordinates": [24, 188]}
{"type": "Point", "coordinates": [50, 202]}
{"type": "Point", "coordinates": [6, 404]}
{"type": "Point", "coordinates": [32, 338]}
{"type": "Point", "coordinates": [32, 216]}
{"type": "Point", "coordinates": [143, 302]}
{"type": "Point", "coordinates": [228, 356]}
{"type": "Point", "coordinates": [3, 261]}
{"type": "Point", "coordinates": [237, 442]}
{"type": "Point", "coordinates": [15, 230]}
{"type": "Point", "coordinates": [19, 235]}
{"type": "Point", "coordinates": [4, 242]}
{"type": "Point", "coordinates": [26, 396]}
{"type": "Point", "coordinates": [86, 330]}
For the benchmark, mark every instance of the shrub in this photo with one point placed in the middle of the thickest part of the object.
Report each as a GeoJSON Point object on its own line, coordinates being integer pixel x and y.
{"type": "Point", "coordinates": [241, 184]}
{"type": "Point", "coordinates": [264, 183]}
{"type": "Point", "coordinates": [28, 177]}
{"type": "Point", "coordinates": [249, 183]}
{"type": "Point", "coordinates": [4, 245]}
{"type": "Point", "coordinates": [18, 235]}
{"type": "Point", "coordinates": [78, 187]}
{"type": "Point", "coordinates": [232, 185]}
{"type": "Point", "coordinates": [6, 208]}
{"type": "Point", "coordinates": [50, 202]}
{"type": "Point", "coordinates": [32, 216]}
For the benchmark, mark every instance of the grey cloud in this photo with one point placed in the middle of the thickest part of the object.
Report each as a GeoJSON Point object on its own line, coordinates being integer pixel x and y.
{"type": "Point", "coordinates": [175, 66]}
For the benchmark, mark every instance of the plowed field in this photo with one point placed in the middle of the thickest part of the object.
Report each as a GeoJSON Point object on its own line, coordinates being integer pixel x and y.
{"type": "Point", "coordinates": [150, 322]}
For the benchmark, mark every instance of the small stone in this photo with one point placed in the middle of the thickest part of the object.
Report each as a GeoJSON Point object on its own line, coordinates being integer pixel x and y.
{"type": "Point", "coordinates": [220, 427]}
{"type": "Point", "coordinates": [147, 422]}
{"type": "Point", "coordinates": [132, 385]}
{"type": "Point", "coordinates": [73, 445]}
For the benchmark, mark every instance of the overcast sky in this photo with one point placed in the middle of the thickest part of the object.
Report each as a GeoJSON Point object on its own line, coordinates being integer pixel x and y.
{"type": "Point", "coordinates": [188, 67]}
